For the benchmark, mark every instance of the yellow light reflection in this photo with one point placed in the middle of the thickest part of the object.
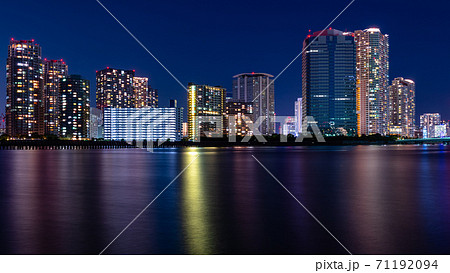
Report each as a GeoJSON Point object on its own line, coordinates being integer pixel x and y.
{"type": "Point", "coordinates": [192, 151]}
{"type": "Point", "coordinates": [196, 222]}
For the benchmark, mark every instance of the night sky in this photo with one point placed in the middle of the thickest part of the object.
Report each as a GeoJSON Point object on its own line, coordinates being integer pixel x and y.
{"type": "Point", "coordinates": [207, 42]}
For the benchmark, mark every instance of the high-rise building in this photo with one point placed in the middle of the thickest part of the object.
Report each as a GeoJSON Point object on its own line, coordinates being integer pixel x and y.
{"type": "Point", "coordinates": [115, 88]}
{"type": "Point", "coordinates": [427, 124]}
{"type": "Point", "coordinates": [402, 107]}
{"type": "Point", "coordinates": [54, 71]}
{"type": "Point", "coordinates": [298, 116]}
{"type": "Point", "coordinates": [75, 107]}
{"type": "Point", "coordinates": [206, 109]}
{"type": "Point", "coordinates": [372, 81]}
{"type": "Point", "coordinates": [143, 123]}
{"type": "Point", "coordinates": [235, 113]}
{"type": "Point", "coordinates": [24, 89]}
{"type": "Point", "coordinates": [96, 124]}
{"type": "Point", "coordinates": [258, 89]}
{"type": "Point", "coordinates": [329, 81]}
{"type": "Point", "coordinates": [141, 94]}
{"type": "Point", "coordinates": [152, 97]}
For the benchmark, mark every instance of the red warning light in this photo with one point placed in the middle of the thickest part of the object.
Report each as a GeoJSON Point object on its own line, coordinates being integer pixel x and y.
{"type": "Point", "coordinates": [253, 73]}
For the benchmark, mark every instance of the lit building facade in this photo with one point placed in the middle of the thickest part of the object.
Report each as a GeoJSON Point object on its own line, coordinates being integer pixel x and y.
{"type": "Point", "coordinates": [298, 116]}
{"type": "Point", "coordinates": [185, 130]}
{"type": "Point", "coordinates": [115, 88]}
{"type": "Point", "coordinates": [206, 109]}
{"type": "Point", "coordinates": [2, 124]}
{"type": "Point", "coordinates": [428, 122]}
{"type": "Point", "coordinates": [75, 107]}
{"type": "Point", "coordinates": [24, 89]}
{"type": "Point", "coordinates": [402, 107]}
{"type": "Point", "coordinates": [440, 130]}
{"type": "Point", "coordinates": [141, 95]}
{"type": "Point", "coordinates": [288, 126]}
{"type": "Point", "coordinates": [329, 81]}
{"type": "Point", "coordinates": [258, 89]}
{"type": "Point", "coordinates": [54, 71]}
{"type": "Point", "coordinates": [372, 81]}
{"type": "Point", "coordinates": [143, 124]}
{"type": "Point", "coordinates": [447, 123]}
{"type": "Point", "coordinates": [235, 113]}
{"type": "Point", "coordinates": [152, 97]}
{"type": "Point", "coordinates": [96, 123]}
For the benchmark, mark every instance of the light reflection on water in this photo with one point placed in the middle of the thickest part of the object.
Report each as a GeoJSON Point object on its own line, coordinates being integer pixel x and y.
{"type": "Point", "coordinates": [195, 210]}
{"type": "Point", "coordinates": [375, 199]}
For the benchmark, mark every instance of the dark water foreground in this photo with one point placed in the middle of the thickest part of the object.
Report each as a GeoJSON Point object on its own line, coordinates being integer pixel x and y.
{"type": "Point", "coordinates": [375, 199]}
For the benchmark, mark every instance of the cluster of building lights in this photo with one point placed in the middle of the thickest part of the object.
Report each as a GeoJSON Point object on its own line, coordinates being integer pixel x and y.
{"type": "Point", "coordinates": [353, 98]}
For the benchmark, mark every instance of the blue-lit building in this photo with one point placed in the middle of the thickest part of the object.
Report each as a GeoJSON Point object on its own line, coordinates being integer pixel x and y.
{"type": "Point", "coordinates": [143, 123]}
{"type": "Point", "coordinates": [329, 81]}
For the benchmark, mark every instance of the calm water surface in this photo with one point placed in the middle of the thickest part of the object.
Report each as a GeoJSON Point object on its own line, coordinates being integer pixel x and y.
{"type": "Point", "coordinates": [374, 199]}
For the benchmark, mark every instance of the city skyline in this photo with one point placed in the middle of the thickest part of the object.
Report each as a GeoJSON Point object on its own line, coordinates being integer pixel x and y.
{"type": "Point", "coordinates": [406, 58]}
{"type": "Point", "coordinates": [345, 87]}
{"type": "Point", "coordinates": [278, 129]}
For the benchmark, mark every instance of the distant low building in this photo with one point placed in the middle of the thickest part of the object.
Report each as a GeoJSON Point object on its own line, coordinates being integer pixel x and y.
{"type": "Point", "coordinates": [448, 128]}
{"type": "Point", "coordinates": [143, 123]}
{"type": "Point", "coordinates": [298, 116]}
{"type": "Point", "coordinates": [440, 130]}
{"type": "Point", "coordinates": [427, 123]}
{"type": "Point", "coordinates": [288, 126]}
